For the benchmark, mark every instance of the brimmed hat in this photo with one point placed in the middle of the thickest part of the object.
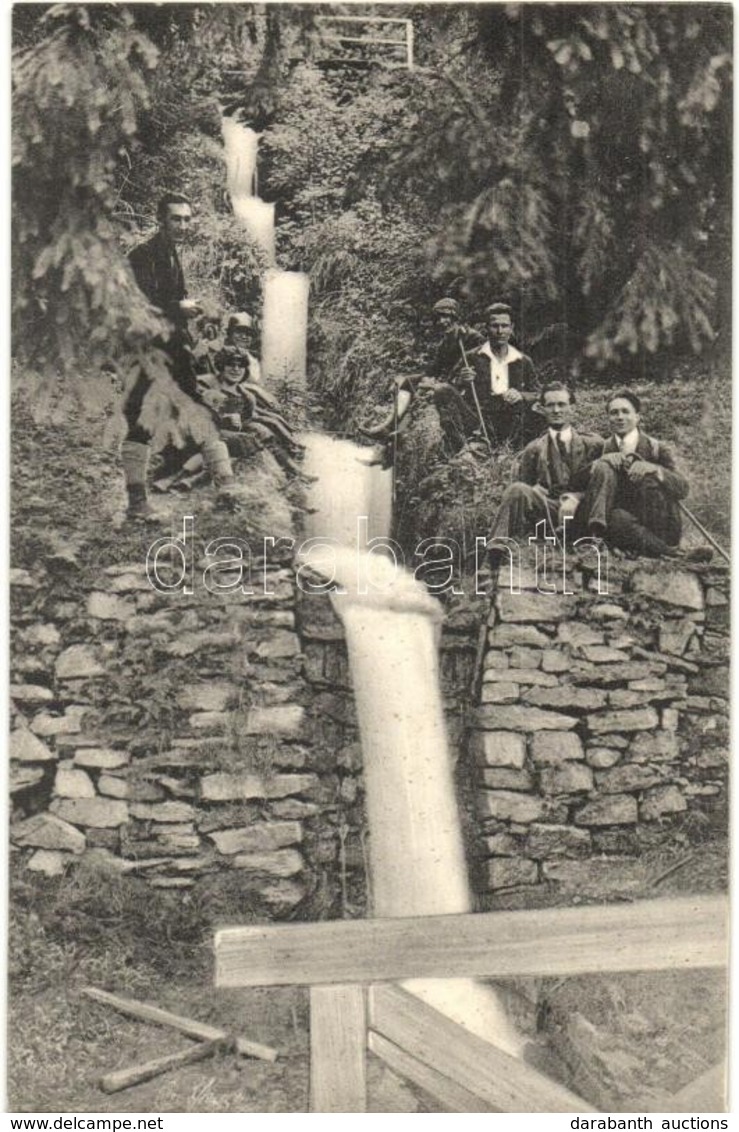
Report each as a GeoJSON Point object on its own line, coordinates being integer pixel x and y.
{"type": "Point", "coordinates": [241, 320]}
{"type": "Point", "coordinates": [231, 356]}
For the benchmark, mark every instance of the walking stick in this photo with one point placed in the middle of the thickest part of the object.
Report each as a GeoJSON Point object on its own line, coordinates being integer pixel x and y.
{"type": "Point", "coordinates": [553, 529]}
{"type": "Point", "coordinates": [704, 532]}
{"type": "Point", "coordinates": [396, 423]}
{"type": "Point", "coordinates": [476, 399]}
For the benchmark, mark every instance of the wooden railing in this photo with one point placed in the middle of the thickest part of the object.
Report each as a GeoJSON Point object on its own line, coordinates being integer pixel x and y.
{"type": "Point", "coordinates": [350, 966]}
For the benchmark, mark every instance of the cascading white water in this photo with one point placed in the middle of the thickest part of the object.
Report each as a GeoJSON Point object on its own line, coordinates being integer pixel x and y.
{"type": "Point", "coordinates": [285, 300]}
{"type": "Point", "coordinates": [240, 150]}
{"type": "Point", "coordinates": [417, 864]}
{"type": "Point", "coordinates": [356, 486]}
{"type": "Point", "coordinates": [284, 328]}
{"type": "Point", "coordinates": [258, 218]}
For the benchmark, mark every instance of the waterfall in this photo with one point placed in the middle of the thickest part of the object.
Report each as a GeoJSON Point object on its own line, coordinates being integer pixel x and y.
{"type": "Point", "coordinates": [417, 864]}
{"type": "Point", "coordinates": [285, 301]}
{"type": "Point", "coordinates": [284, 328]}
{"type": "Point", "coordinates": [347, 485]}
{"type": "Point", "coordinates": [258, 218]}
{"type": "Point", "coordinates": [240, 150]}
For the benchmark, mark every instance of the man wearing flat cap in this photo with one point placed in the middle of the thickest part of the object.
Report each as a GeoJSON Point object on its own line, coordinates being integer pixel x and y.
{"type": "Point", "coordinates": [455, 342]}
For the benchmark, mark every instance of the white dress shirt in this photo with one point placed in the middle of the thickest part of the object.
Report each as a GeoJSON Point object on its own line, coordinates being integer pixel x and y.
{"type": "Point", "coordinates": [564, 434]}
{"type": "Point", "coordinates": [499, 367]}
{"type": "Point", "coordinates": [627, 444]}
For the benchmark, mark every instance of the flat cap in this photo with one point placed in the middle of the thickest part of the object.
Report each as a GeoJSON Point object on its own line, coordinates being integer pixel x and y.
{"type": "Point", "coordinates": [446, 306]}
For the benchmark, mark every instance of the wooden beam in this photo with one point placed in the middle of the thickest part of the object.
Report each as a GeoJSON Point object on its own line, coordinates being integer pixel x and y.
{"type": "Point", "coordinates": [652, 935]}
{"type": "Point", "coordinates": [451, 1096]}
{"type": "Point", "coordinates": [361, 19]}
{"type": "Point", "coordinates": [136, 1074]}
{"type": "Point", "coordinates": [145, 1012]}
{"type": "Point", "coordinates": [361, 39]}
{"type": "Point", "coordinates": [505, 1083]}
{"type": "Point", "coordinates": [338, 1040]}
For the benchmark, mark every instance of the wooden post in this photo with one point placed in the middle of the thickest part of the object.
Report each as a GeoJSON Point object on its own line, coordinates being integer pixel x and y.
{"type": "Point", "coordinates": [338, 1041]}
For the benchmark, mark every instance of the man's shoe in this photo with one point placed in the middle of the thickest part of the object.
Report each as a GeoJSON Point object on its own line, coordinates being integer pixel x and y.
{"type": "Point", "coordinates": [375, 432]}
{"type": "Point", "coordinates": [696, 554]}
{"type": "Point", "coordinates": [139, 507]}
{"type": "Point", "coordinates": [227, 498]}
{"type": "Point", "coordinates": [478, 448]}
{"type": "Point", "coordinates": [591, 544]}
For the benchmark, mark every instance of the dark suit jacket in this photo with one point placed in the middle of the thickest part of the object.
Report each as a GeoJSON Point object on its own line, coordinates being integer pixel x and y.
{"type": "Point", "coordinates": [655, 451]}
{"type": "Point", "coordinates": [158, 272]}
{"type": "Point", "coordinates": [448, 356]}
{"type": "Point", "coordinates": [504, 421]}
{"type": "Point", "coordinates": [542, 464]}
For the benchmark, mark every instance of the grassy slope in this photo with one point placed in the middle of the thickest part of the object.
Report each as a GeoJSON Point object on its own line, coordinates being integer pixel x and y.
{"type": "Point", "coordinates": [650, 1032]}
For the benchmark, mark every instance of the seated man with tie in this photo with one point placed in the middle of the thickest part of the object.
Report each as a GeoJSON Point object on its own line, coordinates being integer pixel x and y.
{"type": "Point", "coordinates": [633, 495]}
{"type": "Point", "coordinates": [553, 470]}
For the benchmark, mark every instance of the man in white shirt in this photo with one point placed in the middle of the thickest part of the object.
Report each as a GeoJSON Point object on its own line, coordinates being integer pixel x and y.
{"type": "Point", "coordinates": [632, 498]}
{"type": "Point", "coordinates": [502, 382]}
{"type": "Point", "coordinates": [553, 470]}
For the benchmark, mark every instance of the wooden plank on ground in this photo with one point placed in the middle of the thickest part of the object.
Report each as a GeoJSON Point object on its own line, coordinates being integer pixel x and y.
{"type": "Point", "coordinates": [505, 1083]}
{"type": "Point", "coordinates": [650, 935]}
{"type": "Point", "coordinates": [338, 1042]}
{"type": "Point", "coordinates": [451, 1096]}
{"type": "Point", "coordinates": [121, 1079]}
{"type": "Point", "coordinates": [145, 1012]}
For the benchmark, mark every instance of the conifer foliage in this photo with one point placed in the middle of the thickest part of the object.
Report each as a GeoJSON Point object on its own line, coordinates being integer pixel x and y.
{"type": "Point", "coordinates": [77, 94]}
{"type": "Point", "coordinates": [572, 157]}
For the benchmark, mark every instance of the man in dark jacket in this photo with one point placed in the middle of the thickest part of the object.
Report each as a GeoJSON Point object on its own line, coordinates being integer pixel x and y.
{"type": "Point", "coordinates": [456, 342]}
{"type": "Point", "coordinates": [450, 354]}
{"type": "Point", "coordinates": [633, 495]}
{"type": "Point", "coordinates": [500, 384]}
{"type": "Point", "coordinates": [552, 473]}
{"type": "Point", "coordinates": [158, 272]}
{"type": "Point", "coordinates": [494, 391]}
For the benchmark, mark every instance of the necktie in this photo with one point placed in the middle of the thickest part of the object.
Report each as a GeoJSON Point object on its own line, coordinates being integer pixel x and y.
{"type": "Point", "coordinates": [563, 451]}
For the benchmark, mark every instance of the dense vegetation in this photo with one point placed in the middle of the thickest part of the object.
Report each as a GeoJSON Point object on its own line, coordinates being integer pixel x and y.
{"type": "Point", "coordinates": [575, 158]}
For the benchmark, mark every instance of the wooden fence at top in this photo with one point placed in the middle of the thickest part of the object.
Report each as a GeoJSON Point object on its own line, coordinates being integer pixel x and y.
{"type": "Point", "coordinates": [350, 967]}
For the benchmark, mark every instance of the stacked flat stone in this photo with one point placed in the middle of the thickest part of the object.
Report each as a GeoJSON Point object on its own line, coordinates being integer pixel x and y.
{"type": "Point", "coordinates": [182, 736]}
{"type": "Point", "coordinates": [167, 733]}
{"type": "Point", "coordinates": [601, 722]}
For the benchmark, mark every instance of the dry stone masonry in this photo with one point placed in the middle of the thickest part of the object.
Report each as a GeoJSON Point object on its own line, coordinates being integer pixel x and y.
{"type": "Point", "coordinates": [167, 733]}
{"type": "Point", "coordinates": [182, 737]}
{"type": "Point", "coordinates": [601, 725]}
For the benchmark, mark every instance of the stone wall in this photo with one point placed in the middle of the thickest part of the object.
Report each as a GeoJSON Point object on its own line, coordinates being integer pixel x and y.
{"type": "Point", "coordinates": [602, 722]}
{"type": "Point", "coordinates": [165, 732]}
{"type": "Point", "coordinates": [182, 736]}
